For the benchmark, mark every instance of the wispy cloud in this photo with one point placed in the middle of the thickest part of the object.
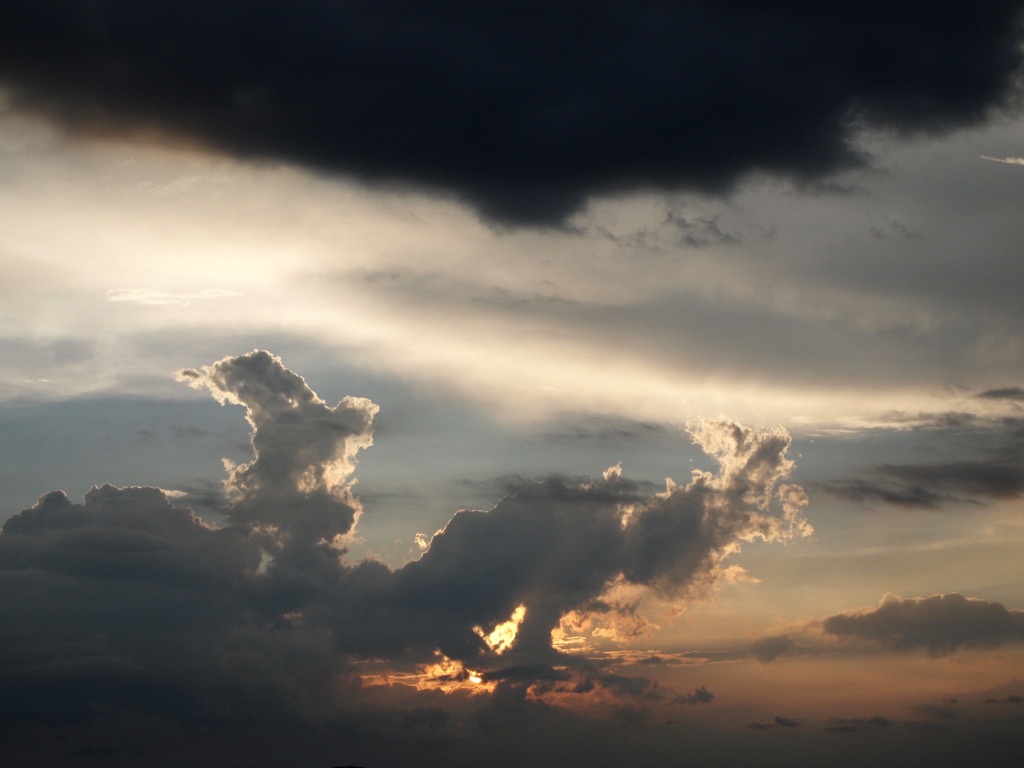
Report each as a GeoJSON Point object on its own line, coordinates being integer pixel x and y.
{"type": "Point", "coordinates": [1007, 160]}
{"type": "Point", "coordinates": [154, 296]}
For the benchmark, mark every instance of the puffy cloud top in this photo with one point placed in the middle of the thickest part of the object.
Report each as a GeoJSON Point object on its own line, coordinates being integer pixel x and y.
{"type": "Point", "coordinates": [299, 480]}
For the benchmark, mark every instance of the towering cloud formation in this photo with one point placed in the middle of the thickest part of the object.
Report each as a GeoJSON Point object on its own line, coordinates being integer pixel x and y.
{"type": "Point", "coordinates": [101, 598]}
{"type": "Point", "coordinates": [299, 481]}
{"type": "Point", "coordinates": [522, 108]}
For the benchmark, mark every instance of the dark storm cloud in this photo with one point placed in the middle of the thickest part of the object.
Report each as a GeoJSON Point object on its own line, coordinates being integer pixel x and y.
{"type": "Point", "coordinates": [942, 624]}
{"type": "Point", "coordinates": [522, 109]}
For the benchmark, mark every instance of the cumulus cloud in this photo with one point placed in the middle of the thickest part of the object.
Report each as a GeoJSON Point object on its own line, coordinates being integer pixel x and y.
{"type": "Point", "coordinates": [130, 606]}
{"type": "Point", "coordinates": [299, 482]}
{"type": "Point", "coordinates": [942, 624]}
{"type": "Point", "coordinates": [523, 109]}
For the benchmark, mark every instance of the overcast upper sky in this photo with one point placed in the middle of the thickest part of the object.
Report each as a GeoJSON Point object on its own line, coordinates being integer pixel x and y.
{"type": "Point", "coordinates": [461, 383]}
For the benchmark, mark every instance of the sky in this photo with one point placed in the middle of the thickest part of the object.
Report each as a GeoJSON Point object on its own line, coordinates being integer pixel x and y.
{"type": "Point", "coordinates": [458, 384]}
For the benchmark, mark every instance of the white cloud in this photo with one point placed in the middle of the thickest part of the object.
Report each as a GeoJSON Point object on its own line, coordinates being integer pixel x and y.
{"type": "Point", "coordinates": [158, 297]}
{"type": "Point", "coordinates": [1007, 160]}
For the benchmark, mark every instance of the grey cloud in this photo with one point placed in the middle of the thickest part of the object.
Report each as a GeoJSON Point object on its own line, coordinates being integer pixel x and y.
{"type": "Point", "coordinates": [699, 231]}
{"type": "Point", "coordinates": [699, 696]}
{"type": "Point", "coordinates": [692, 229]}
{"type": "Point", "coordinates": [946, 711]}
{"type": "Point", "coordinates": [582, 678]}
{"type": "Point", "coordinates": [767, 649]}
{"type": "Point", "coordinates": [509, 485]}
{"type": "Point", "coordinates": [66, 351]}
{"type": "Point", "coordinates": [304, 449]}
{"type": "Point", "coordinates": [935, 484]}
{"type": "Point", "coordinates": [529, 672]}
{"type": "Point", "coordinates": [854, 724]}
{"type": "Point", "coordinates": [987, 463]}
{"type": "Point", "coordinates": [900, 496]}
{"type": "Point", "coordinates": [1002, 393]}
{"type": "Point", "coordinates": [523, 109]}
{"type": "Point", "coordinates": [1012, 699]}
{"type": "Point", "coordinates": [942, 624]}
{"type": "Point", "coordinates": [607, 429]}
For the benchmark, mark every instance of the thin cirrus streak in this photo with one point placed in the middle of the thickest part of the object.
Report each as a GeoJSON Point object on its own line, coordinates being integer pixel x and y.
{"type": "Point", "coordinates": [1006, 160]}
{"type": "Point", "coordinates": [158, 297]}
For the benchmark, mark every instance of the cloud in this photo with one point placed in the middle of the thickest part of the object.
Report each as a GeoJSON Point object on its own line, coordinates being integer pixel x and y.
{"type": "Point", "coordinates": [129, 607]}
{"type": "Point", "coordinates": [936, 484]}
{"type": "Point", "coordinates": [1007, 160]}
{"type": "Point", "coordinates": [524, 110]}
{"type": "Point", "coordinates": [767, 649]}
{"type": "Point", "coordinates": [699, 696]}
{"type": "Point", "coordinates": [1002, 393]}
{"type": "Point", "coordinates": [942, 624]}
{"type": "Point", "coordinates": [987, 464]}
{"type": "Point", "coordinates": [157, 297]}
{"type": "Point", "coordinates": [299, 481]}
{"type": "Point", "coordinates": [557, 546]}
{"type": "Point", "coordinates": [855, 724]}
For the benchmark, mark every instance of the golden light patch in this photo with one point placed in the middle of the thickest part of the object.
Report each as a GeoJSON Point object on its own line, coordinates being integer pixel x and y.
{"type": "Point", "coordinates": [444, 674]}
{"type": "Point", "coordinates": [503, 635]}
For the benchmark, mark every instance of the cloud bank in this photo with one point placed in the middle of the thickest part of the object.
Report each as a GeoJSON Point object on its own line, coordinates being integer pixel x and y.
{"type": "Point", "coordinates": [522, 109]}
{"type": "Point", "coordinates": [128, 605]}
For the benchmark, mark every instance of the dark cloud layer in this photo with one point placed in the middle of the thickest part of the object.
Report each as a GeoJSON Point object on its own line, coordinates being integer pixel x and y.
{"type": "Point", "coordinates": [1002, 393]}
{"type": "Point", "coordinates": [936, 484]}
{"type": "Point", "coordinates": [127, 606]}
{"type": "Point", "coordinates": [522, 109]}
{"type": "Point", "coordinates": [942, 624]}
{"type": "Point", "coordinates": [992, 467]}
